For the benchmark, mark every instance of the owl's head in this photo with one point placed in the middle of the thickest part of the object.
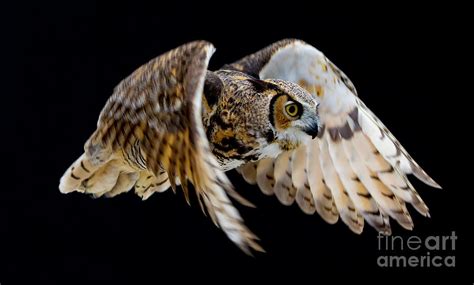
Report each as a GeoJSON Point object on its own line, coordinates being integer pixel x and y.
{"type": "Point", "coordinates": [293, 114]}
{"type": "Point", "coordinates": [256, 118]}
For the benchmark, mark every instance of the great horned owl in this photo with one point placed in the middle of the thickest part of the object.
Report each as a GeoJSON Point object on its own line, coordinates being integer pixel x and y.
{"type": "Point", "coordinates": [285, 117]}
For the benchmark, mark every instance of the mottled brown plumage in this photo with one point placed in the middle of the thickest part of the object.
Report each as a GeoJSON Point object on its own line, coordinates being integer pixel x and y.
{"type": "Point", "coordinates": [248, 116]}
{"type": "Point", "coordinates": [155, 129]}
{"type": "Point", "coordinates": [285, 117]}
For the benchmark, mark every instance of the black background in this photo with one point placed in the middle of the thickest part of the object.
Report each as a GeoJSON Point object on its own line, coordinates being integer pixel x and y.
{"type": "Point", "coordinates": [69, 58]}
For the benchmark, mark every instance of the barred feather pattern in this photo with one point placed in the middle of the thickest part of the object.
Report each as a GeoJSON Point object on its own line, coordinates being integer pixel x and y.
{"type": "Point", "coordinates": [150, 135]}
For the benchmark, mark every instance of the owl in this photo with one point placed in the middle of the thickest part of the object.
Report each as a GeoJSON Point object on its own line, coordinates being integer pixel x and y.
{"type": "Point", "coordinates": [285, 117]}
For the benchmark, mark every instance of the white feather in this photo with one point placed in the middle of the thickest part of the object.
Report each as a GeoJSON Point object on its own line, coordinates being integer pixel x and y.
{"type": "Point", "coordinates": [148, 184]}
{"type": "Point", "coordinates": [322, 196]}
{"type": "Point", "coordinates": [295, 62]}
{"type": "Point", "coordinates": [304, 197]}
{"type": "Point", "coordinates": [284, 189]}
{"type": "Point", "coordinates": [344, 204]}
{"type": "Point", "coordinates": [125, 182]}
{"type": "Point", "coordinates": [393, 178]}
{"type": "Point", "coordinates": [249, 172]}
{"type": "Point", "coordinates": [80, 170]}
{"type": "Point", "coordinates": [265, 176]}
{"type": "Point", "coordinates": [388, 203]}
{"type": "Point", "coordinates": [356, 190]}
{"type": "Point", "coordinates": [389, 147]}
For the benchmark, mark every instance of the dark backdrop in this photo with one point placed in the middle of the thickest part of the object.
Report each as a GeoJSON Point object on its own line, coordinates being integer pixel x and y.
{"type": "Point", "coordinates": [71, 56]}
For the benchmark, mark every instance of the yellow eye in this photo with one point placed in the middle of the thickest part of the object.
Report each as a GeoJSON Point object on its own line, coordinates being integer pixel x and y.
{"type": "Point", "coordinates": [292, 109]}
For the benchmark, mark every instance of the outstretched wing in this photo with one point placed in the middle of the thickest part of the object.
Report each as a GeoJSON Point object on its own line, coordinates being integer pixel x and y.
{"type": "Point", "coordinates": [355, 168]}
{"type": "Point", "coordinates": [150, 135]}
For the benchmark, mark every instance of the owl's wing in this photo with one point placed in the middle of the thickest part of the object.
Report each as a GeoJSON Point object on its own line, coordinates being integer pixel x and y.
{"type": "Point", "coordinates": [150, 133]}
{"type": "Point", "coordinates": [355, 168]}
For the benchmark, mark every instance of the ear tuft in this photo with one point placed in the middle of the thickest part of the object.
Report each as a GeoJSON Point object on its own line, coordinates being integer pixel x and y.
{"type": "Point", "coordinates": [260, 85]}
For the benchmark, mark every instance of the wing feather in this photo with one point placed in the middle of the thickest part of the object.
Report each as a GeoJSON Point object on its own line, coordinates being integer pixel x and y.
{"type": "Point", "coordinates": [265, 175]}
{"type": "Point", "coordinates": [349, 214]}
{"type": "Point", "coordinates": [362, 199]}
{"type": "Point", "coordinates": [249, 172]}
{"type": "Point", "coordinates": [389, 146]}
{"type": "Point", "coordinates": [324, 200]}
{"type": "Point", "coordinates": [152, 126]}
{"type": "Point", "coordinates": [284, 189]}
{"type": "Point", "coordinates": [304, 197]}
{"type": "Point", "coordinates": [355, 163]}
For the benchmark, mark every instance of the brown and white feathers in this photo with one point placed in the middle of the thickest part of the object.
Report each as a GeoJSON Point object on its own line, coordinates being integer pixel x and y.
{"type": "Point", "coordinates": [172, 121]}
{"type": "Point", "coordinates": [355, 168]}
{"type": "Point", "coordinates": [248, 119]}
{"type": "Point", "coordinates": [150, 134]}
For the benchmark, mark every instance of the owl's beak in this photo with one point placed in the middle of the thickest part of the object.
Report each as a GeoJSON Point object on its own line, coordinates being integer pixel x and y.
{"type": "Point", "coordinates": [312, 130]}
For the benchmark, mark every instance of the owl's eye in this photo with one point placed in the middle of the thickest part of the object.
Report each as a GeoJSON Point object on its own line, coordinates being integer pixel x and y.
{"type": "Point", "coordinates": [292, 109]}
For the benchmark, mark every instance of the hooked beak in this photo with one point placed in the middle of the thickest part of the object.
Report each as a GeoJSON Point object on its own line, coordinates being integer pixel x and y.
{"type": "Point", "coordinates": [312, 130]}
{"type": "Point", "coordinates": [312, 123]}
